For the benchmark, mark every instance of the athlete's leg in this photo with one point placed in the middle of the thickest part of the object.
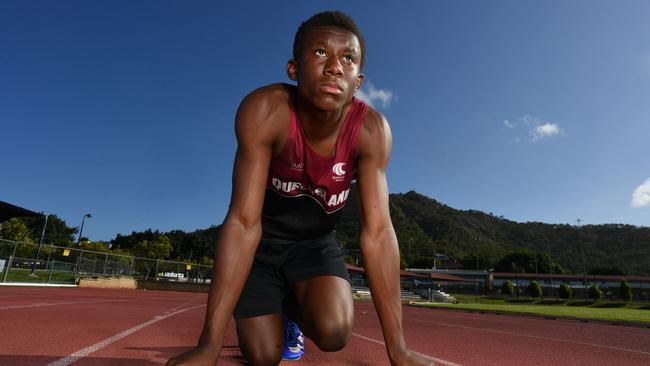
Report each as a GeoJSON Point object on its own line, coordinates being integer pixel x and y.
{"type": "Point", "coordinates": [260, 339]}
{"type": "Point", "coordinates": [325, 311]}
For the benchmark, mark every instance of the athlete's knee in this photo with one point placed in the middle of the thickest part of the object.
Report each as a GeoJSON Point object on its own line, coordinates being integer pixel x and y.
{"type": "Point", "coordinates": [262, 357]}
{"type": "Point", "coordinates": [260, 353]}
{"type": "Point", "coordinates": [333, 337]}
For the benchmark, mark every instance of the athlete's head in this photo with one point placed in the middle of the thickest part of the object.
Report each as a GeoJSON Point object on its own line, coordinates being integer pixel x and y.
{"type": "Point", "coordinates": [328, 55]}
{"type": "Point", "coordinates": [334, 19]}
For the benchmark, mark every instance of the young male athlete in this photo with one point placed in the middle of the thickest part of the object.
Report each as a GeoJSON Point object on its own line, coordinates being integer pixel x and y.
{"type": "Point", "coordinates": [299, 148]}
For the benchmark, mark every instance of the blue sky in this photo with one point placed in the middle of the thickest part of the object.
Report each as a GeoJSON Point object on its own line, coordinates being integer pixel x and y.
{"type": "Point", "coordinates": [534, 110]}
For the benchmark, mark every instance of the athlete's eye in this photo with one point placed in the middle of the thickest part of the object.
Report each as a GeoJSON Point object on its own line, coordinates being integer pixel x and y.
{"type": "Point", "coordinates": [320, 52]}
{"type": "Point", "coordinates": [348, 58]}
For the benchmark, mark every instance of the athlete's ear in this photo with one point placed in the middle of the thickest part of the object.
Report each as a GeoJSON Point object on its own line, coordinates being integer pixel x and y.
{"type": "Point", "coordinates": [358, 82]}
{"type": "Point", "coordinates": [292, 69]}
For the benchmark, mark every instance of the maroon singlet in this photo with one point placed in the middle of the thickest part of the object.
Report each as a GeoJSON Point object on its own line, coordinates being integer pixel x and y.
{"type": "Point", "coordinates": [305, 191]}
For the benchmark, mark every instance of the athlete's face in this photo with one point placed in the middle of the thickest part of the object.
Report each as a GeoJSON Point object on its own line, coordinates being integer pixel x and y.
{"type": "Point", "coordinates": [328, 72]}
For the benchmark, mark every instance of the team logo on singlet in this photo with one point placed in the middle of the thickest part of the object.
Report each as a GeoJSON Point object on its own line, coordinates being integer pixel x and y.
{"type": "Point", "coordinates": [294, 189]}
{"type": "Point", "coordinates": [339, 172]}
{"type": "Point", "coordinates": [297, 165]}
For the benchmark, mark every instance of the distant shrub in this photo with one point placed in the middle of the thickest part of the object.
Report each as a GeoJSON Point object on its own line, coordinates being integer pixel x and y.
{"type": "Point", "coordinates": [625, 291]}
{"type": "Point", "coordinates": [534, 290]}
{"type": "Point", "coordinates": [595, 293]}
{"type": "Point", "coordinates": [507, 288]}
{"type": "Point", "coordinates": [566, 292]}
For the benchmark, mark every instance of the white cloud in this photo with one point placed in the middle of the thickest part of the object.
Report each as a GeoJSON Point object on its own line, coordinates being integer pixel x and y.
{"type": "Point", "coordinates": [371, 95]}
{"type": "Point", "coordinates": [545, 130]}
{"type": "Point", "coordinates": [535, 127]}
{"type": "Point", "coordinates": [641, 195]}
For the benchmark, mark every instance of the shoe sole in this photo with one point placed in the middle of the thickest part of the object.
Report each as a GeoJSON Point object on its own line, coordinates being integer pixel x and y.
{"type": "Point", "coordinates": [293, 359]}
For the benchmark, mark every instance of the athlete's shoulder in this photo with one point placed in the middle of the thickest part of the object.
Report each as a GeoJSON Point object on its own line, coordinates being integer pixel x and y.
{"type": "Point", "coordinates": [375, 138]}
{"type": "Point", "coordinates": [375, 123]}
{"type": "Point", "coordinates": [265, 111]}
{"type": "Point", "coordinates": [268, 99]}
{"type": "Point", "coordinates": [264, 106]}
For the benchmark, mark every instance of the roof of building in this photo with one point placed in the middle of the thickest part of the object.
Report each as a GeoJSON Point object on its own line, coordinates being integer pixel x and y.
{"type": "Point", "coordinates": [435, 275]}
{"type": "Point", "coordinates": [448, 277]}
{"type": "Point", "coordinates": [402, 273]}
{"type": "Point", "coordinates": [8, 211]}
{"type": "Point", "coordinates": [497, 275]}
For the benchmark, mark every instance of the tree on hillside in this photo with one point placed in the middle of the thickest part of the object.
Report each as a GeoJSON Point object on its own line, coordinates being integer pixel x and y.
{"type": "Point", "coordinates": [522, 259]}
{"type": "Point", "coordinates": [528, 261]}
{"type": "Point", "coordinates": [16, 230]}
{"type": "Point", "coordinates": [158, 248]}
{"type": "Point", "coordinates": [206, 261]}
{"type": "Point", "coordinates": [421, 262]}
{"type": "Point", "coordinates": [95, 246]}
{"type": "Point", "coordinates": [476, 261]}
{"type": "Point", "coordinates": [131, 240]}
{"type": "Point", "coordinates": [606, 271]}
{"type": "Point", "coordinates": [203, 242]}
{"type": "Point", "coordinates": [57, 231]}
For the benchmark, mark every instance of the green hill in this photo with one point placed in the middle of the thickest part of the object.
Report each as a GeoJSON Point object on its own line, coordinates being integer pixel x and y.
{"type": "Point", "coordinates": [425, 227]}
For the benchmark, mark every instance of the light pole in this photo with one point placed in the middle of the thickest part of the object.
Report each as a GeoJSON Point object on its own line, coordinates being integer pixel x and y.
{"type": "Point", "coordinates": [478, 240]}
{"type": "Point", "coordinates": [584, 262]}
{"type": "Point", "coordinates": [38, 249]}
{"type": "Point", "coordinates": [82, 227]}
{"type": "Point", "coordinates": [478, 276]}
{"type": "Point", "coordinates": [410, 258]}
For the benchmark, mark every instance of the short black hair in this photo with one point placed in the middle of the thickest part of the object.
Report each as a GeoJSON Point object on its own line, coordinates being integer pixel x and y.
{"type": "Point", "coordinates": [327, 19]}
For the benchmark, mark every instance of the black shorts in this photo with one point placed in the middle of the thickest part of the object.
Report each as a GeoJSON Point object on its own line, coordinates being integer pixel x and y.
{"type": "Point", "coordinates": [277, 267]}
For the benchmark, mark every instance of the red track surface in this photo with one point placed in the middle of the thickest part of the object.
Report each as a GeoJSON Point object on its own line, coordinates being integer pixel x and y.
{"type": "Point", "coordinates": [39, 326]}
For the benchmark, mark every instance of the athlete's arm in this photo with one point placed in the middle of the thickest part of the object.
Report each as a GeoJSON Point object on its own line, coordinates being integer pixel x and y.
{"type": "Point", "coordinates": [242, 228]}
{"type": "Point", "coordinates": [377, 237]}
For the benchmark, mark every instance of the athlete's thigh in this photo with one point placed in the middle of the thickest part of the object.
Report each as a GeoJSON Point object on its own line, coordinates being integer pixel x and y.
{"type": "Point", "coordinates": [260, 338]}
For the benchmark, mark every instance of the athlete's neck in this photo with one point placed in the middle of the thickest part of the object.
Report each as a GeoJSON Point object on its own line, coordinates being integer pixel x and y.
{"type": "Point", "coordinates": [319, 124]}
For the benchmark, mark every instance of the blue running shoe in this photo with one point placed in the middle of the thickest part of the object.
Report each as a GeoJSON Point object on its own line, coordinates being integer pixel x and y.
{"type": "Point", "coordinates": [294, 341]}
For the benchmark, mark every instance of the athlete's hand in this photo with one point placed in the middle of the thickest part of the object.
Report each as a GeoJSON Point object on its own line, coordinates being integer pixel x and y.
{"type": "Point", "coordinates": [199, 356]}
{"type": "Point", "coordinates": [410, 358]}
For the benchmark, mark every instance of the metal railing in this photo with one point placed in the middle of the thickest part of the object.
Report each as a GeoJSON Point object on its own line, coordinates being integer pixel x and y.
{"type": "Point", "coordinates": [55, 264]}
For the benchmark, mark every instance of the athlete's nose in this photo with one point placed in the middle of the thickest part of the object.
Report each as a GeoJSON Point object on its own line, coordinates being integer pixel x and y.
{"type": "Point", "coordinates": [333, 67]}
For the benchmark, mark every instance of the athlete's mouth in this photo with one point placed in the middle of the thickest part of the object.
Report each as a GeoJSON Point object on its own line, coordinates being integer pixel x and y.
{"type": "Point", "coordinates": [330, 88]}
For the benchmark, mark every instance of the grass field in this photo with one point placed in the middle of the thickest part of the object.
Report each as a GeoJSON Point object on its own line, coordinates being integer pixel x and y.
{"type": "Point", "coordinates": [579, 309]}
{"type": "Point", "coordinates": [40, 276]}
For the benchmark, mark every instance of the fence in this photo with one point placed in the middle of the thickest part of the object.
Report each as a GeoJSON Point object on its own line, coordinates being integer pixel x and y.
{"type": "Point", "coordinates": [20, 262]}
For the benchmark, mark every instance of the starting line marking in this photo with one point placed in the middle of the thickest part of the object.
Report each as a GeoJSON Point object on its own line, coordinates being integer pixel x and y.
{"type": "Point", "coordinates": [431, 358]}
{"type": "Point", "coordinates": [76, 356]}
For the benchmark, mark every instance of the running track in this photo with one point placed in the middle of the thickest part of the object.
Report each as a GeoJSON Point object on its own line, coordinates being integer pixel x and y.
{"type": "Point", "coordinates": [55, 326]}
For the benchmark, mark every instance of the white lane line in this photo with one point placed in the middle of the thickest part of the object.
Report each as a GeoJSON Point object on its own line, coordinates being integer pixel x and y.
{"type": "Point", "coordinates": [561, 323]}
{"type": "Point", "coordinates": [534, 337]}
{"type": "Point", "coordinates": [431, 358]}
{"type": "Point", "coordinates": [55, 303]}
{"type": "Point", "coordinates": [76, 356]}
